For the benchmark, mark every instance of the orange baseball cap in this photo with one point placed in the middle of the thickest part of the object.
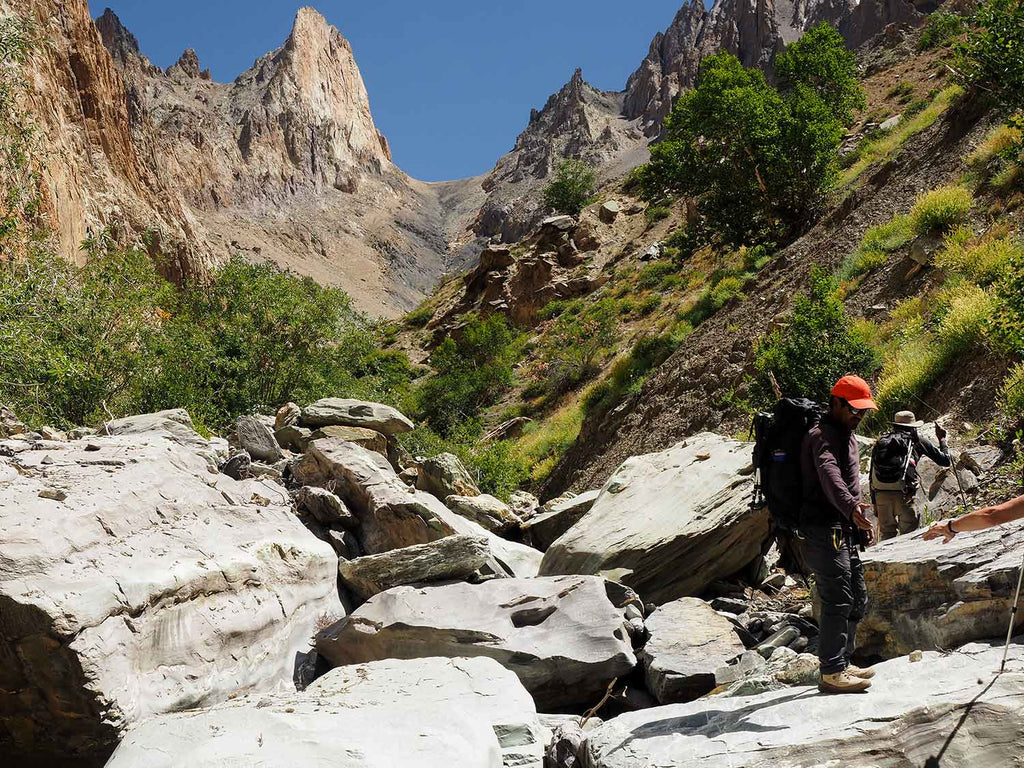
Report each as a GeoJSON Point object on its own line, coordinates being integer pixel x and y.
{"type": "Point", "coordinates": [855, 391]}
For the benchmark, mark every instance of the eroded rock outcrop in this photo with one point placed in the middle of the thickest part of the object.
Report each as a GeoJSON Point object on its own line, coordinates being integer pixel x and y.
{"type": "Point", "coordinates": [562, 636]}
{"type": "Point", "coordinates": [689, 504]}
{"type": "Point", "coordinates": [927, 595]}
{"type": "Point", "coordinates": [135, 580]}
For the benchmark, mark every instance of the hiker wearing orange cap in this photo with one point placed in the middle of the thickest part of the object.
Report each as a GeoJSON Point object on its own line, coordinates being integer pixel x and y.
{"type": "Point", "coordinates": [831, 515]}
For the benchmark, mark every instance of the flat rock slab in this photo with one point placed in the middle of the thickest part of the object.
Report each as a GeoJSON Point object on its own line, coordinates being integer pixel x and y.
{"type": "Point", "coordinates": [688, 642]}
{"type": "Point", "coordinates": [544, 528]}
{"type": "Point", "coordinates": [445, 475]}
{"type": "Point", "coordinates": [152, 586]}
{"type": "Point", "coordinates": [927, 595]}
{"type": "Point", "coordinates": [953, 705]}
{"type": "Point", "coordinates": [561, 636]}
{"type": "Point", "coordinates": [331, 411]}
{"type": "Point", "coordinates": [367, 438]}
{"type": "Point", "coordinates": [453, 557]}
{"type": "Point", "coordinates": [424, 713]}
{"type": "Point", "coordinates": [668, 524]}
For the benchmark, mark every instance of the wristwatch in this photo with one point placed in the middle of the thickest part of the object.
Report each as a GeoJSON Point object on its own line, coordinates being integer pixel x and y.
{"type": "Point", "coordinates": [949, 526]}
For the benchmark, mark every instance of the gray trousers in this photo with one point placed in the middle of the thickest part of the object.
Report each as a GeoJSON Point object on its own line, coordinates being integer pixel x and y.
{"type": "Point", "coordinates": [896, 513]}
{"type": "Point", "coordinates": [839, 578]}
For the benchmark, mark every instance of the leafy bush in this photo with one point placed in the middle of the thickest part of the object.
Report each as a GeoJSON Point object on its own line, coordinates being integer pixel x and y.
{"type": "Point", "coordinates": [115, 337]}
{"type": "Point", "coordinates": [648, 305]}
{"type": "Point", "coordinates": [653, 275]}
{"type": "Point", "coordinates": [1007, 321]}
{"type": "Point", "coordinates": [941, 208]}
{"type": "Point", "coordinates": [572, 188]}
{"type": "Point", "coordinates": [713, 298]}
{"type": "Point", "coordinates": [963, 310]}
{"type": "Point", "coordinates": [756, 159]}
{"type": "Point", "coordinates": [992, 56]}
{"type": "Point", "coordinates": [942, 27]}
{"type": "Point", "coordinates": [472, 371]}
{"type": "Point", "coordinates": [903, 91]}
{"type": "Point", "coordinates": [575, 343]}
{"type": "Point", "coordinates": [817, 347]}
{"type": "Point", "coordinates": [916, 107]}
{"type": "Point", "coordinates": [1003, 141]}
{"type": "Point", "coordinates": [1012, 393]}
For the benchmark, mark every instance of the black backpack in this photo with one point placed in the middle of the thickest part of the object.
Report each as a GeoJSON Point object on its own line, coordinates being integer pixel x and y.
{"type": "Point", "coordinates": [778, 438]}
{"type": "Point", "coordinates": [890, 459]}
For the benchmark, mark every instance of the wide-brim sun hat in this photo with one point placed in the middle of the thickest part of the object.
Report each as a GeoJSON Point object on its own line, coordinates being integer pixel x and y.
{"type": "Point", "coordinates": [906, 419]}
{"type": "Point", "coordinates": [855, 391]}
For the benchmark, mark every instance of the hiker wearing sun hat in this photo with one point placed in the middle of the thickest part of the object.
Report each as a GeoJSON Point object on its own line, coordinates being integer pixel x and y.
{"type": "Point", "coordinates": [831, 516]}
{"type": "Point", "coordinates": [894, 472]}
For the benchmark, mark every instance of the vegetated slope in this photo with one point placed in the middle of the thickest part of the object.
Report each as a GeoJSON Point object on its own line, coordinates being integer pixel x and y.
{"type": "Point", "coordinates": [700, 385]}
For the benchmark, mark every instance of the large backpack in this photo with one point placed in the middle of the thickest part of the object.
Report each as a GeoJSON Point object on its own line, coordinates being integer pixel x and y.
{"type": "Point", "coordinates": [778, 439]}
{"type": "Point", "coordinates": [890, 459]}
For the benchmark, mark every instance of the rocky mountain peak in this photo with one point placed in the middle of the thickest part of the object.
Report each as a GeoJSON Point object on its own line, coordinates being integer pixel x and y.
{"type": "Point", "coordinates": [121, 43]}
{"type": "Point", "coordinates": [188, 66]}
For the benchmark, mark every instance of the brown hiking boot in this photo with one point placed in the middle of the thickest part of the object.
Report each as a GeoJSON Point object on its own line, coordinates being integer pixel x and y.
{"type": "Point", "coordinates": [863, 674]}
{"type": "Point", "coordinates": [842, 682]}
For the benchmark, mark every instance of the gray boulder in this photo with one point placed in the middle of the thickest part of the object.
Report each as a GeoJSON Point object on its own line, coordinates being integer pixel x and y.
{"type": "Point", "coordinates": [453, 557]}
{"type": "Point", "coordinates": [561, 636]}
{"type": "Point", "coordinates": [324, 507]}
{"type": "Point", "coordinates": [423, 713]}
{"type": "Point", "coordinates": [485, 510]}
{"type": "Point", "coordinates": [668, 524]}
{"type": "Point", "coordinates": [523, 504]}
{"type": "Point", "coordinates": [555, 519]}
{"type": "Point", "coordinates": [392, 515]}
{"type": "Point", "coordinates": [609, 211]}
{"type": "Point", "coordinates": [174, 425]}
{"type": "Point", "coordinates": [688, 642]}
{"type": "Point", "coordinates": [288, 415]}
{"type": "Point", "coordinates": [368, 438]}
{"type": "Point", "coordinates": [445, 475]}
{"type": "Point", "coordinates": [153, 586]}
{"type": "Point", "coordinates": [293, 437]}
{"type": "Point", "coordinates": [257, 439]}
{"type": "Point", "coordinates": [944, 710]}
{"type": "Point", "coordinates": [928, 595]}
{"type": "Point", "coordinates": [335, 411]}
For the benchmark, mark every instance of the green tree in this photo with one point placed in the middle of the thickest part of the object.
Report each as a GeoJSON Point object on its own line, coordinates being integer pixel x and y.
{"type": "Point", "coordinates": [472, 370]}
{"type": "Point", "coordinates": [820, 60]}
{"type": "Point", "coordinates": [817, 346]}
{"type": "Point", "coordinates": [992, 56]}
{"type": "Point", "coordinates": [756, 161]}
{"type": "Point", "coordinates": [19, 193]}
{"type": "Point", "coordinates": [572, 188]}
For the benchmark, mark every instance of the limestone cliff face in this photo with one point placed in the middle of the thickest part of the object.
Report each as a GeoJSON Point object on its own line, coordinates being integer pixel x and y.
{"type": "Point", "coordinates": [94, 175]}
{"type": "Point", "coordinates": [752, 30]}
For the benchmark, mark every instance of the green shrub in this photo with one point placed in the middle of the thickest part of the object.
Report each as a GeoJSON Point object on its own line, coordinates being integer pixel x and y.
{"type": "Point", "coordinates": [572, 188]}
{"type": "Point", "coordinates": [982, 262]}
{"type": "Point", "coordinates": [817, 347]}
{"type": "Point", "coordinates": [472, 371]}
{"type": "Point", "coordinates": [574, 345]}
{"type": "Point", "coordinates": [559, 307]}
{"type": "Point", "coordinates": [941, 28]}
{"type": "Point", "coordinates": [964, 309]}
{"type": "Point", "coordinates": [630, 371]}
{"type": "Point", "coordinates": [1007, 322]}
{"type": "Point", "coordinates": [916, 107]}
{"type": "Point", "coordinates": [116, 337]}
{"type": "Point", "coordinates": [713, 298]}
{"type": "Point", "coordinates": [653, 275]}
{"type": "Point", "coordinates": [992, 56]}
{"type": "Point", "coordinates": [941, 208]}
{"type": "Point", "coordinates": [648, 305]}
{"type": "Point", "coordinates": [656, 213]}
{"type": "Point", "coordinates": [876, 245]}
{"type": "Point", "coordinates": [419, 317]}
{"type": "Point", "coordinates": [1012, 393]}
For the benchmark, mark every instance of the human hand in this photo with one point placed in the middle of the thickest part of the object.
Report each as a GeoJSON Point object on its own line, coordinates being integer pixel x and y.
{"type": "Point", "coordinates": [940, 432]}
{"type": "Point", "coordinates": [937, 530]}
{"type": "Point", "coordinates": [860, 518]}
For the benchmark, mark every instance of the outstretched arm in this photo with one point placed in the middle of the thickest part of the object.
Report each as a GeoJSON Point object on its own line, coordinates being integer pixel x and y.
{"type": "Point", "coordinates": [978, 520]}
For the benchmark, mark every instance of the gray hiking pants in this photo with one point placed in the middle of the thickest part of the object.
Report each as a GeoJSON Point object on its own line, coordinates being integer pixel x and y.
{"type": "Point", "coordinates": [839, 578]}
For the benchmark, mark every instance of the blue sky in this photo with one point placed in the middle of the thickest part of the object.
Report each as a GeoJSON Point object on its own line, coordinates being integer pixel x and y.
{"type": "Point", "coordinates": [451, 82]}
